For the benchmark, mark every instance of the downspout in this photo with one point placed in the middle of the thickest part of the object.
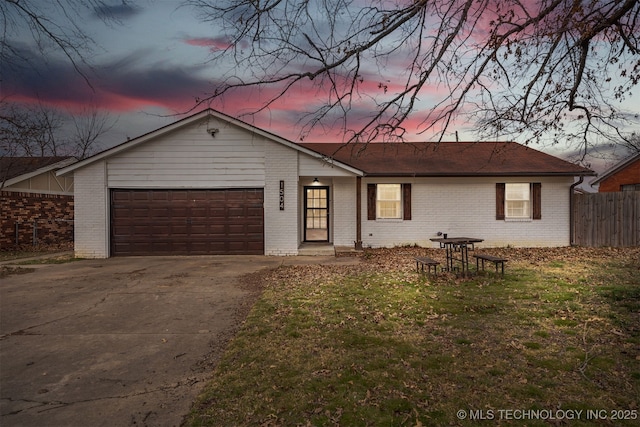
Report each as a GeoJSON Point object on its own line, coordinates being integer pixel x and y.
{"type": "Point", "coordinates": [571, 210]}
{"type": "Point", "coordinates": [358, 241]}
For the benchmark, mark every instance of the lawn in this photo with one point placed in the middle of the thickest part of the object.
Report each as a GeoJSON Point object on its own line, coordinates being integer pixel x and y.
{"type": "Point", "coordinates": [554, 341]}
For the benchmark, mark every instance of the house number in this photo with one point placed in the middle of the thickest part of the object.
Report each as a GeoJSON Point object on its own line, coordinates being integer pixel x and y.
{"type": "Point", "coordinates": [281, 195]}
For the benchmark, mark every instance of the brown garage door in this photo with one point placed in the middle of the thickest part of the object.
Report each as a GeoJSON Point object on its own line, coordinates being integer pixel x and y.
{"type": "Point", "coordinates": [187, 222]}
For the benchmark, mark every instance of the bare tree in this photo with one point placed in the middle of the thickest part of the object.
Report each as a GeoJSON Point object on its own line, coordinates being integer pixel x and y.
{"type": "Point", "coordinates": [547, 69]}
{"type": "Point", "coordinates": [39, 131]}
{"type": "Point", "coordinates": [88, 126]}
{"type": "Point", "coordinates": [28, 131]}
{"type": "Point", "coordinates": [632, 144]}
{"type": "Point", "coordinates": [51, 27]}
{"type": "Point", "coordinates": [46, 29]}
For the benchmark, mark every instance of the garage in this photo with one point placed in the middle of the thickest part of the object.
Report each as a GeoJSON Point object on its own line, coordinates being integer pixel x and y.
{"type": "Point", "coordinates": [187, 222]}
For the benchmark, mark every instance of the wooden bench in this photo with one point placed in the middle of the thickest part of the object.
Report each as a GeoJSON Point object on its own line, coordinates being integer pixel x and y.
{"type": "Point", "coordinates": [494, 259]}
{"type": "Point", "coordinates": [422, 261]}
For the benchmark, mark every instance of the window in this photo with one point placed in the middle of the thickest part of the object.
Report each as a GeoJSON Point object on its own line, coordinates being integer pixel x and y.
{"type": "Point", "coordinates": [630, 187]}
{"type": "Point", "coordinates": [388, 201]}
{"type": "Point", "coordinates": [517, 201]}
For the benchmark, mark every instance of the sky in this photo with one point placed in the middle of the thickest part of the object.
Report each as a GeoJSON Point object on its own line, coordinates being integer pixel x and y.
{"type": "Point", "coordinates": [147, 70]}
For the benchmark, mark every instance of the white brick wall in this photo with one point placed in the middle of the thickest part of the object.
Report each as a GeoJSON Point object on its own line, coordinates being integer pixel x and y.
{"type": "Point", "coordinates": [457, 206]}
{"type": "Point", "coordinates": [466, 207]}
{"type": "Point", "coordinates": [280, 227]}
{"type": "Point", "coordinates": [91, 212]}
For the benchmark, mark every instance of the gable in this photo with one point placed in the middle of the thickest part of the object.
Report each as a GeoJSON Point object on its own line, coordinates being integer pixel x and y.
{"type": "Point", "coordinates": [191, 157]}
{"type": "Point", "coordinates": [35, 175]}
{"type": "Point", "coordinates": [211, 125]}
{"type": "Point", "coordinates": [45, 183]}
{"type": "Point", "coordinates": [14, 167]}
{"type": "Point", "coordinates": [627, 174]}
{"type": "Point", "coordinates": [628, 166]}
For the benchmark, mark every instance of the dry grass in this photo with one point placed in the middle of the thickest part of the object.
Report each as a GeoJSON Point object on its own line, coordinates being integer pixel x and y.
{"type": "Point", "coordinates": [27, 251]}
{"type": "Point", "coordinates": [378, 344]}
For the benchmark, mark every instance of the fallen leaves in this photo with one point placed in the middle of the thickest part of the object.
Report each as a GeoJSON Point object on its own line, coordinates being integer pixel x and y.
{"type": "Point", "coordinates": [378, 343]}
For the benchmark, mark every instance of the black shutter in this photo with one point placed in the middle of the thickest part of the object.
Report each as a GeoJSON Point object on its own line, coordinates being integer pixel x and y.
{"type": "Point", "coordinates": [371, 202]}
{"type": "Point", "coordinates": [406, 202]}
{"type": "Point", "coordinates": [500, 188]}
{"type": "Point", "coordinates": [536, 200]}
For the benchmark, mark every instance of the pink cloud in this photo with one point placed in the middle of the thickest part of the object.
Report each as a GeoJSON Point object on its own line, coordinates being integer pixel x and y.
{"type": "Point", "coordinates": [213, 43]}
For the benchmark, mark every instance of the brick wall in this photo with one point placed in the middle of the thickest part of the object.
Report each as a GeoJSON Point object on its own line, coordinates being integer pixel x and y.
{"type": "Point", "coordinates": [281, 235]}
{"type": "Point", "coordinates": [50, 214]}
{"type": "Point", "coordinates": [344, 211]}
{"type": "Point", "coordinates": [629, 175]}
{"type": "Point", "coordinates": [467, 207]}
{"type": "Point", "coordinates": [92, 227]}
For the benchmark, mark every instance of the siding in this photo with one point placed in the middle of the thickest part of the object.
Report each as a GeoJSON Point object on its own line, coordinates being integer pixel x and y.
{"type": "Point", "coordinates": [466, 207]}
{"type": "Point", "coordinates": [191, 158]}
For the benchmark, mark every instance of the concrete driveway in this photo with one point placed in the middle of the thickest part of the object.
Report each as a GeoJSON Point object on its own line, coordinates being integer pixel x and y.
{"type": "Point", "coordinates": [118, 342]}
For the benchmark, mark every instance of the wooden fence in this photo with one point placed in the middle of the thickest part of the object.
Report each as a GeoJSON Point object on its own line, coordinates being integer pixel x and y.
{"type": "Point", "coordinates": [607, 219]}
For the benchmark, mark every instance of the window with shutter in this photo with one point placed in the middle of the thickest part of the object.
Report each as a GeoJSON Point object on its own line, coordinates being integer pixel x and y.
{"type": "Point", "coordinates": [518, 201]}
{"type": "Point", "coordinates": [388, 201]}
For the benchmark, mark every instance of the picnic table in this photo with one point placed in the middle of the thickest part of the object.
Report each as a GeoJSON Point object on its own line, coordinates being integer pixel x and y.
{"type": "Point", "coordinates": [457, 249]}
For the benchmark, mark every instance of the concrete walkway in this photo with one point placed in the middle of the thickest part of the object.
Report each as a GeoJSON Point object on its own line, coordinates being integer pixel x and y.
{"type": "Point", "coordinates": [122, 341]}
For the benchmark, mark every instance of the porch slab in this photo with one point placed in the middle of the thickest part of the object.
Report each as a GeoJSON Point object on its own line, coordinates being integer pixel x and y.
{"type": "Point", "coordinates": [316, 249]}
{"type": "Point", "coordinates": [346, 250]}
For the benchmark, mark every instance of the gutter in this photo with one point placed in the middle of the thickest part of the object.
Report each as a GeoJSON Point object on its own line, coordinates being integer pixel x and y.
{"type": "Point", "coordinates": [470, 175]}
{"type": "Point", "coordinates": [571, 209]}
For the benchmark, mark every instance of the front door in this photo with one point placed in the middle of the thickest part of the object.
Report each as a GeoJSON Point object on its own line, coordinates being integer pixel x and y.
{"type": "Point", "coordinates": [316, 214]}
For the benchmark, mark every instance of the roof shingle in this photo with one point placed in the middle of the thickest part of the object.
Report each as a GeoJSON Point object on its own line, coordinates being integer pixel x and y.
{"type": "Point", "coordinates": [11, 167]}
{"type": "Point", "coordinates": [448, 159]}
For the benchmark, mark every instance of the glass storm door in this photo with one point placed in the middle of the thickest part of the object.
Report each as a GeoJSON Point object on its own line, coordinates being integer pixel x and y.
{"type": "Point", "coordinates": [316, 214]}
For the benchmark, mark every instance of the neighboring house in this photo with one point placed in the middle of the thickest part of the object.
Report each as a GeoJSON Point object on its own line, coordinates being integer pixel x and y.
{"type": "Point", "coordinates": [624, 176]}
{"type": "Point", "coordinates": [212, 184]}
{"type": "Point", "coordinates": [36, 205]}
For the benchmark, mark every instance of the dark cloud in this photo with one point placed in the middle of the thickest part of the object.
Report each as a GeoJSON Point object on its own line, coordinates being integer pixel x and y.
{"type": "Point", "coordinates": [28, 75]}
{"type": "Point", "coordinates": [116, 11]}
{"type": "Point", "coordinates": [120, 86]}
{"type": "Point", "coordinates": [158, 83]}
